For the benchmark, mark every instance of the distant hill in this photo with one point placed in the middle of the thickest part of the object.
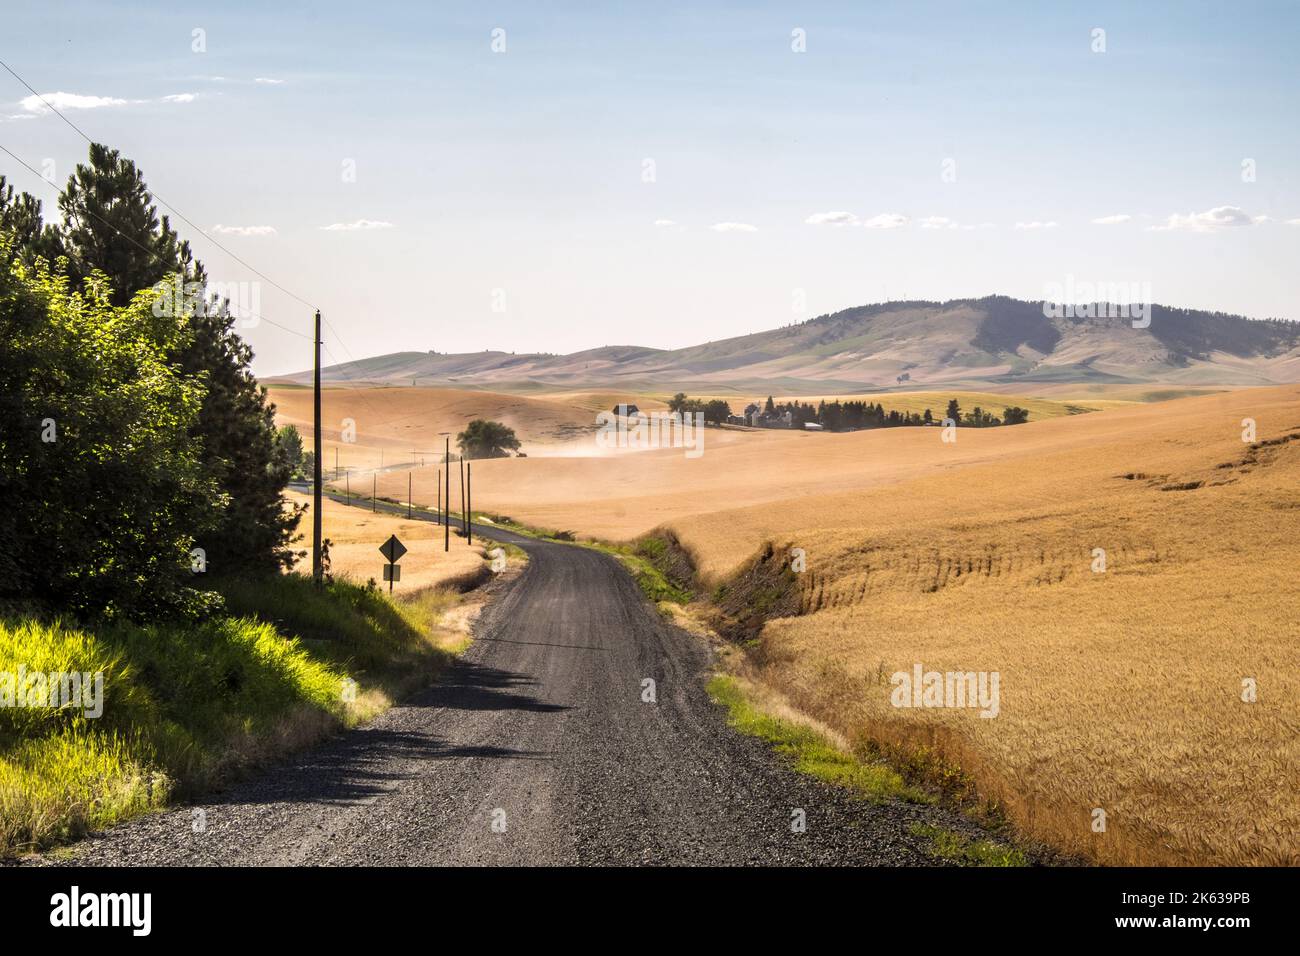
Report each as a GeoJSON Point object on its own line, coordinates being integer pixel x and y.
{"type": "Point", "coordinates": [963, 343]}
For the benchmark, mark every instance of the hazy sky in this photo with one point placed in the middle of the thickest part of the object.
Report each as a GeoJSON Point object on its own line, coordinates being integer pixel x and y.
{"type": "Point", "coordinates": [500, 199]}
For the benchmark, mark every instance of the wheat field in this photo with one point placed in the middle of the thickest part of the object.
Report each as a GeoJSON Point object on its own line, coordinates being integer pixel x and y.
{"type": "Point", "coordinates": [355, 534]}
{"type": "Point", "coordinates": [1121, 690]}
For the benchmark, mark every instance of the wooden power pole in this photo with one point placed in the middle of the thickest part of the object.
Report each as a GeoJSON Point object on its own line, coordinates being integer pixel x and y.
{"type": "Point", "coordinates": [316, 569]}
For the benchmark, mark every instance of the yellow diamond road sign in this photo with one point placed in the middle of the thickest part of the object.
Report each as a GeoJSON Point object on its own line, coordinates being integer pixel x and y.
{"type": "Point", "coordinates": [392, 549]}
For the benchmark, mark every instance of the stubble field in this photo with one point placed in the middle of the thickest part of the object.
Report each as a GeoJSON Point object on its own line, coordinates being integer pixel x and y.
{"type": "Point", "coordinates": [1124, 692]}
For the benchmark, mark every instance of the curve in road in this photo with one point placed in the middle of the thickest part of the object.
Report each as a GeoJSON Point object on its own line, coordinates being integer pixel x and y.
{"type": "Point", "coordinates": [536, 747]}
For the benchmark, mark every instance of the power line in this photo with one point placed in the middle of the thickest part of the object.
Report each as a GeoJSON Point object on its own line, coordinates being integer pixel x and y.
{"type": "Point", "coordinates": [143, 248]}
{"type": "Point", "coordinates": [159, 198]}
{"type": "Point", "coordinates": [82, 133]}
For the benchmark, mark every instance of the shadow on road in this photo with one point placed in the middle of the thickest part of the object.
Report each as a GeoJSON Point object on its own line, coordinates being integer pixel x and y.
{"type": "Point", "coordinates": [469, 686]}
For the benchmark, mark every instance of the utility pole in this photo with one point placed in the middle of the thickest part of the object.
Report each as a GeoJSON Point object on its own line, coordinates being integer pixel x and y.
{"type": "Point", "coordinates": [316, 570]}
{"type": "Point", "coordinates": [374, 491]}
{"type": "Point", "coordinates": [336, 462]}
{"type": "Point", "coordinates": [408, 495]}
{"type": "Point", "coordinates": [348, 484]}
{"type": "Point", "coordinates": [464, 526]}
{"type": "Point", "coordinates": [446, 524]}
{"type": "Point", "coordinates": [469, 503]}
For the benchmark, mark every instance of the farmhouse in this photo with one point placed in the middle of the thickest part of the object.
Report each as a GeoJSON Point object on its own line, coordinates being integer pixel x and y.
{"type": "Point", "coordinates": [624, 409]}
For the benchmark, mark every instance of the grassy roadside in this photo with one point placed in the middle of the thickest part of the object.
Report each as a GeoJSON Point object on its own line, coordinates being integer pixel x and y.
{"type": "Point", "coordinates": [810, 749]}
{"type": "Point", "coordinates": [187, 705]}
{"type": "Point", "coordinates": [814, 750]}
{"type": "Point", "coordinates": [959, 848]}
{"type": "Point", "coordinates": [648, 558]}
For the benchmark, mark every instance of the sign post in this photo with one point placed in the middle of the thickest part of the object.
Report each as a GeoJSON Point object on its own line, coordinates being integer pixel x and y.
{"type": "Point", "coordinates": [392, 550]}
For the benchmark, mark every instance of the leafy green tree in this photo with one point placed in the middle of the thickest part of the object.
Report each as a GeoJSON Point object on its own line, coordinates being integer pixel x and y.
{"type": "Point", "coordinates": [953, 412]}
{"type": "Point", "coordinates": [111, 226]}
{"type": "Point", "coordinates": [487, 439]}
{"type": "Point", "coordinates": [716, 411]}
{"type": "Point", "coordinates": [677, 403]}
{"type": "Point", "coordinates": [1015, 415]}
{"type": "Point", "coordinates": [105, 488]}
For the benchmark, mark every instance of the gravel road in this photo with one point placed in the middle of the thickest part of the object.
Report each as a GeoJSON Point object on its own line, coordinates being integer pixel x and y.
{"type": "Point", "coordinates": [536, 748]}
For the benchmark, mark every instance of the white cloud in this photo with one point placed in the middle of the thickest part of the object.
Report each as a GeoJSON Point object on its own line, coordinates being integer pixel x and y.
{"type": "Point", "coordinates": [938, 222]}
{"type": "Point", "coordinates": [1050, 224]}
{"type": "Point", "coordinates": [243, 230]}
{"type": "Point", "coordinates": [67, 101]}
{"type": "Point", "coordinates": [664, 223]}
{"type": "Point", "coordinates": [1293, 222]}
{"type": "Point", "coordinates": [1257, 220]}
{"type": "Point", "coordinates": [360, 224]}
{"type": "Point", "coordinates": [836, 218]}
{"type": "Point", "coordinates": [733, 227]}
{"type": "Point", "coordinates": [179, 98]}
{"type": "Point", "coordinates": [886, 220]}
{"type": "Point", "coordinates": [1114, 220]}
{"type": "Point", "coordinates": [267, 80]}
{"type": "Point", "coordinates": [1220, 217]}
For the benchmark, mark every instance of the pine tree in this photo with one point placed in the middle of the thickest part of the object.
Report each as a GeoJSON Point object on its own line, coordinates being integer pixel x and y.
{"type": "Point", "coordinates": [110, 224]}
{"type": "Point", "coordinates": [237, 430]}
{"type": "Point", "coordinates": [20, 220]}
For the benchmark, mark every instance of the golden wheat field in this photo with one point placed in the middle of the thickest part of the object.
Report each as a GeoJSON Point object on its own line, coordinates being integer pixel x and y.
{"type": "Point", "coordinates": [355, 535]}
{"type": "Point", "coordinates": [366, 427]}
{"type": "Point", "coordinates": [1121, 690]}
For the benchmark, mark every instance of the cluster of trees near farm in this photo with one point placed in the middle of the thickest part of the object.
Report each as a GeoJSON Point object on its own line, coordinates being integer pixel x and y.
{"type": "Point", "coordinates": [838, 416]}
{"type": "Point", "coordinates": [851, 415]}
{"type": "Point", "coordinates": [715, 410]}
{"type": "Point", "coordinates": [131, 434]}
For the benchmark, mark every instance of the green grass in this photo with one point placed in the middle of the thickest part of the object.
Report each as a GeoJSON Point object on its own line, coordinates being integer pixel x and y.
{"type": "Point", "coordinates": [642, 558]}
{"type": "Point", "coordinates": [951, 845]}
{"type": "Point", "coordinates": [809, 751]}
{"type": "Point", "coordinates": [185, 705]}
{"type": "Point", "coordinates": [642, 561]}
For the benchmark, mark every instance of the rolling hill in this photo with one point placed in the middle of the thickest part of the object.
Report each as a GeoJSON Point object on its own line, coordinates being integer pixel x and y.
{"type": "Point", "coordinates": [992, 343]}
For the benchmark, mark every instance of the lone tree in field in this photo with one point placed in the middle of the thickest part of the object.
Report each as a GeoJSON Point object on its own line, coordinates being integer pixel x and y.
{"type": "Point", "coordinates": [485, 439]}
